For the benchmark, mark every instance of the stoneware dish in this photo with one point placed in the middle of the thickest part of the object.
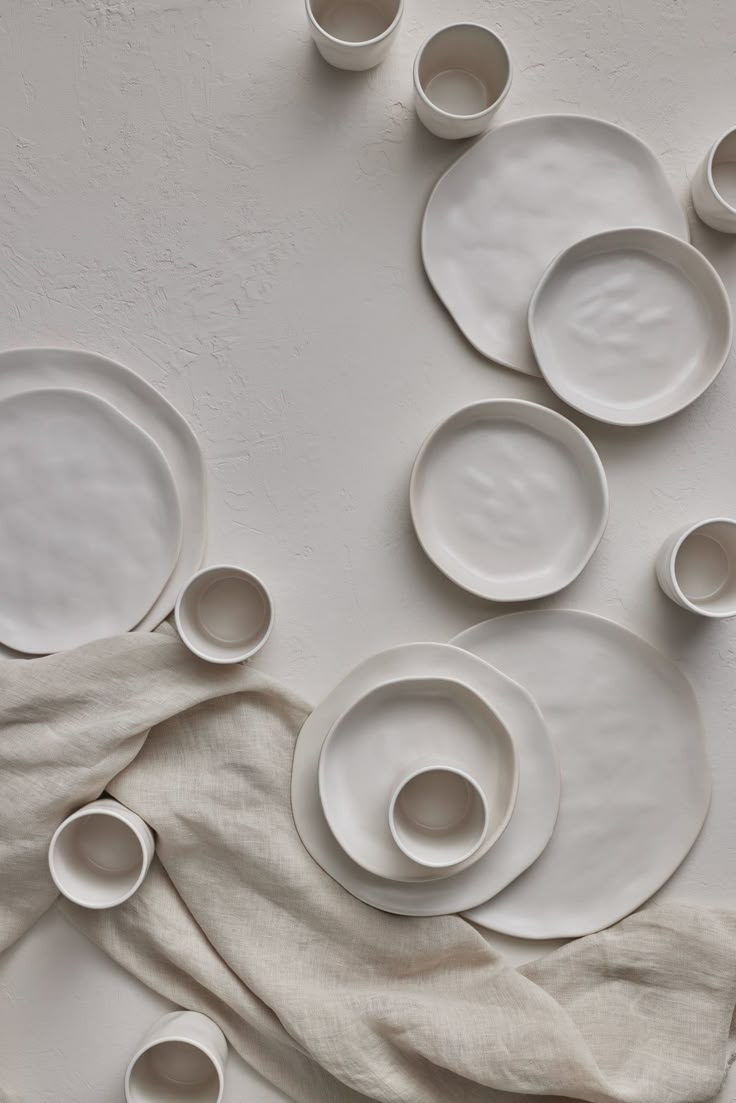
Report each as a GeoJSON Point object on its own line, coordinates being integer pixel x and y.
{"type": "Point", "coordinates": [508, 499]}
{"type": "Point", "coordinates": [354, 34]}
{"type": "Point", "coordinates": [630, 326]}
{"type": "Point", "coordinates": [714, 185]}
{"type": "Point", "coordinates": [635, 774]}
{"type": "Point", "coordinates": [90, 521]}
{"type": "Point", "coordinates": [505, 209]}
{"type": "Point", "coordinates": [697, 567]}
{"type": "Point", "coordinates": [439, 816]}
{"type": "Point", "coordinates": [99, 855]}
{"type": "Point", "coordinates": [398, 729]}
{"type": "Point", "coordinates": [32, 369]}
{"type": "Point", "coordinates": [462, 75]}
{"type": "Point", "coordinates": [532, 820]}
{"type": "Point", "coordinates": [224, 614]}
{"type": "Point", "coordinates": [181, 1059]}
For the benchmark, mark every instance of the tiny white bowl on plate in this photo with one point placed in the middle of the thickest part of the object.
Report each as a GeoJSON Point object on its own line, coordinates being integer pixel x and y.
{"type": "Point", "coordinates": [397, 730]}
{"type": "Point", "coordinates": [224, 614]}
{"type": "Point", "coordinates": [439, 816]}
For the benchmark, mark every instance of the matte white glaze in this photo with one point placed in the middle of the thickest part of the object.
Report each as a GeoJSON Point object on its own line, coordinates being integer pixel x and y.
{"type": "Point", "coordinates": [354, 34]}
{"type": "Point", "coordinates": [181, 1059]}
{"type": "Point", "coordinates": [696, 567]}
{"type": "Point", "coordinates": [714, 185]}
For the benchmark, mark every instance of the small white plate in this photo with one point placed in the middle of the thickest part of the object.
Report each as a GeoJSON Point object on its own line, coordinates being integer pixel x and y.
{"type": "Point", "coordinates": [391, 731]}
{"type": "Point", "coordinates": [509, 499]}
{"type": "Point", "coordinates": [90, 521]}
{"type": "Point", "coordinates": [630, 326]}
{"type": "Point", "coordinates": [537, 801]}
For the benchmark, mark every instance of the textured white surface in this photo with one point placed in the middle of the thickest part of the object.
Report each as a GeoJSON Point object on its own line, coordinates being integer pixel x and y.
{"type": "Point", "coordinates": [187, 187]}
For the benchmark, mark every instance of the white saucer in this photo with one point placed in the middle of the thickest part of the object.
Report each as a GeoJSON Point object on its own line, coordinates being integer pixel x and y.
{"type": "Point", "coordinates": [505, 209]}
{"type": "Point", "coordinates": [635, 774]}
{"type": "Point", "coordinates": [393, 730]}
{"type": "Point", "coordinates": [630, 326]}
{"type": "Point", "coordinates": [537, 801]}
{"type": "Point", "coordinates": [90, 522]}
{"type": "Point", "coordinates": [509, 499]}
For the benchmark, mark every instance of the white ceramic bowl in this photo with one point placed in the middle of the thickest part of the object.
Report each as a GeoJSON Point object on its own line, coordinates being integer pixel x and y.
{"type": "Point", "coordinates": [714, 185]}
{"type": "Point", "coordinates": [438, 816]}
{"type": "Point", "coordinates": [696, 567]}
{"type": "Point", "coordinates": [462, 75]}
{"type": "Point", "coordinates": [224, 614]}
{"type": "Point", "coordinates": [354, 34]}
{"type": "Point", "coordinates": [99, 856]}
{"type": "Point", "coordinates": [181, 1058]}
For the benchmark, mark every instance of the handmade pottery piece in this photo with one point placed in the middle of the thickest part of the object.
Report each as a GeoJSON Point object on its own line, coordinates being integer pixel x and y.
{"type": "Point", "coordinates": [697, 567]}
{"type": "Point", "coordinates": [224, 614]}
{"type": "Point", "coordinates": [399, 727]}
{"type": "Point", "coordinates": [635, 775]}
{"type": "Point", "coordinates": [354, 34]}
{"type": "Point", "coordinates": [462, 75]}
{"type": "Point", "coordinates": [714, 185]}
{"type": "Point", "coordinates": [516, 199]}
{"type": "Point", "coordinates": [181, 1058]}
{"type": "Point", "coordinates": [438, 816]}
{"type": "Point", "coordinates": [34, 369]}
{"type": "Point", "coordinates": [532, 820]}
{"type": "Point", "coordinates": [630, 326]}
{"type": "Point", "coordinates": [90, 522]}
{"type": "Point", "coordinates": [508, 499]}
{"type": "Point", "coordinates": [100, 855]}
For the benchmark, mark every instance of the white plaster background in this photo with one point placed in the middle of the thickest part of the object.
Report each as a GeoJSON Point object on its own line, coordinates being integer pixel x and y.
{"type": "Point", "coordinates": [186, 187]}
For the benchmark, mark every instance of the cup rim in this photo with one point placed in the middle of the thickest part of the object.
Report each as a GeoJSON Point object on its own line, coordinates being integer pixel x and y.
{"type": "Point", "coordinates": [214, 1059]}
{"type": "Point", "coordinates": [709, 169]}
{"type": "Point", "coordinates": [672, 558]}
{"type": "Point", "coordinates": [432, 768]}
{"type": "Point", "coordinates": [451, 114]}
{"type": "Point", "coordinates": [243, 573]}
{"type": "Point", "coordinates": [363, 41]}
{"type": "Point", "coordinates": [82, 813]}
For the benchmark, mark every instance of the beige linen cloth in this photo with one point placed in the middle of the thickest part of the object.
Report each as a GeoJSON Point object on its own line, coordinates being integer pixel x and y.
{"type": "Point", "coordinates": [329, 999]}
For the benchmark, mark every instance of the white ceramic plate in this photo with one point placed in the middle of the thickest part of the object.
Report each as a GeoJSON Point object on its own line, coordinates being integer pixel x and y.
{"type": "Point", "coordinates": [630, 326]}
{"type": "Point", "coordinates": [635, 774]}
{"type": "Point", "coordinates": [537, 800]}
{"type": "Point", "coordinates": [31, 369]}
{"type": "Point", "coordinates": [509, 499]}
{"type": "Point", "coordinates": [393, 730]}
{"type": "Point", "coordinates": [515, 200]}
{"type": "Point", "coordinates": [90, 522]}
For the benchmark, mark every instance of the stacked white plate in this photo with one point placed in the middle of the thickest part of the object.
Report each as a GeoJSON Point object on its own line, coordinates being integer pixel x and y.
{"type": "Point", "coordinates": [102, 501]}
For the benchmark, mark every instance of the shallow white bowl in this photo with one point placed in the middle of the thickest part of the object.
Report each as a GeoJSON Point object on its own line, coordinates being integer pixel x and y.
{"type": "Point", "coordinates": [439, 816]}
{"type": "Point", "coordinates": [224, 614]}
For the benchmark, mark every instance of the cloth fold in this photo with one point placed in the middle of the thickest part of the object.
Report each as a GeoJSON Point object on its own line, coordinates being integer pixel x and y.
{"type": "Point", "coordinates": [332, 1001]}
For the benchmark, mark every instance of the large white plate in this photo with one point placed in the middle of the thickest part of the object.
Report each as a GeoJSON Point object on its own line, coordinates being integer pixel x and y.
{"type": "Point", "coordinates": [90, 522]}
{"type": "Point", "coordinates": [507, 207]}
{"type": "Point", "coordinates": [635, 775]}
{"type": "Point", "coordinates": [537, 800]}
{"type": "Point", "coordinates": [34, 368]}
{"type": "Point", "coordinates": [509, 499]}
{"type": "Point", "coordinates": [630, 326]}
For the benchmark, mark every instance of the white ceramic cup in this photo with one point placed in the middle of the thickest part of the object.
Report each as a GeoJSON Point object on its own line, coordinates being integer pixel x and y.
{"type": "Point", "coordinates": [354, 34]}
{"type": "Point", "coordinates": [224, 614]}
{"type": "Point", "coordinates": [462, 75]}
{"type": "Point", "coordinates": [696, 567]}
{"type": "Point", "coordinates": [99, 856]}
{"type": "Point", "coordinates": [714, 185]}
{"type": "Point", "coordinates": [438, 816]}
{"type": "Point", "coordinates": [181, 1059]}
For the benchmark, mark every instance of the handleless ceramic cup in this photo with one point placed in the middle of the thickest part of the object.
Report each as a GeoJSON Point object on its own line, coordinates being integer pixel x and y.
{"type": "Point", "coordinates": [181, 1058]}
{"type": "Point", "coordinates": [697, 567]}
{"type": "Point", "coordinates": [224, 614]}
{"type": "Point", "coordinates": [462, 75]}
{"type": "Point", "coordinates": [354, 34]}
{"type": "Point", "coordinates": [438, 816]}
{"type": "Point", "coordinates": [714, 185]}
{"type": "Point", "coordinates": [99, 856]}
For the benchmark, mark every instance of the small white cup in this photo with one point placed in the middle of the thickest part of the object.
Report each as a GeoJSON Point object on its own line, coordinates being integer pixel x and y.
{"type": "Point", "coordinates": [224, 614]}
{"type": "Point", "coordinates": [354, 34]}
{"type": "Point", "coordinates": [99, 856]}
{"type": "Point", "coordinates": [181, 1058]}
{"type": "Point", "coordinates": [696, 567]}
{"type": "Point", "coordinates": [714, 185]}
{"type": "Point", "coordinates": [462, 75]}
{"type": "Point", "coordinates": [438, 816]}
